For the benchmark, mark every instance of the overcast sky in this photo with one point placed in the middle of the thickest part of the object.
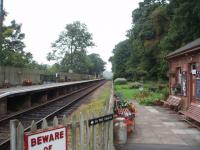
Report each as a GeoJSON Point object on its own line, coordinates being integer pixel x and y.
{"type": "Point", "coordinates": [43, 20]}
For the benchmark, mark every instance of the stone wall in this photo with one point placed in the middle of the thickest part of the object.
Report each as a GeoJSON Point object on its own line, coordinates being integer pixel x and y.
{"type": "Point", "coordinates": [15, 76]}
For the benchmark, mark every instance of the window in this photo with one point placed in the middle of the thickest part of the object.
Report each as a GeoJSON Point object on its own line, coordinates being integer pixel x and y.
{"type": "Point", "coordinates": [193, 68]}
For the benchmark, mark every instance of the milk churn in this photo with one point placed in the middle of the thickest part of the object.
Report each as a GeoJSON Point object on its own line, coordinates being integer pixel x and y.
{"type": "Point", "coordinates": [120, 130]}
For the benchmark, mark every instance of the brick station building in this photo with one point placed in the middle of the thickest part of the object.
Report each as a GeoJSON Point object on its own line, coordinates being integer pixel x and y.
{"type": "Point", "coordinates": [184, 73]}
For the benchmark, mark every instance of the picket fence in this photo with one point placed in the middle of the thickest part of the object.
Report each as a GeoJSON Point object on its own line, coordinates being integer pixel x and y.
{"type": "Point", "coordinates": [81, 136]}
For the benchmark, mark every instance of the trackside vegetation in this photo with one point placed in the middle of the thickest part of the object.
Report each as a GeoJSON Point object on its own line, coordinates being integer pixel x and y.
{"type": "Point", "coordinates": [98, 102]}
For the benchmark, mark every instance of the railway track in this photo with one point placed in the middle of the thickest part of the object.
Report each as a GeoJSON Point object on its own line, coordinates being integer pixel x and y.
{"type": "Point", "coordinates": [48, 111]}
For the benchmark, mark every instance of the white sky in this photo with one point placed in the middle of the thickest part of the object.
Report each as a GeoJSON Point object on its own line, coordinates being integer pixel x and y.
{"type": "Point", "coordinates": [43, 20]}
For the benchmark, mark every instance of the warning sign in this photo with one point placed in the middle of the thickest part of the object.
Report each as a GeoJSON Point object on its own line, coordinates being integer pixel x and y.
{"type": "Point", "coordinates": [55, 139]}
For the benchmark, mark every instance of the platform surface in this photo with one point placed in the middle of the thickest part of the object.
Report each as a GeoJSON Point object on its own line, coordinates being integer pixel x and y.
{"type": "Point", "coordinates": [161, 128]}
{"type": "Point", "coordinates": [23, 89]}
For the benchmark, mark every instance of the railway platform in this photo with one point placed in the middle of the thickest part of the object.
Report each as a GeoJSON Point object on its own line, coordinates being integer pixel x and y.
{"type": "Point", "coordinates": [23, 97]}
{"type": "Point", "coordinates": [161, 128]}
{"type": "Point", "coordinates": [22, 89]}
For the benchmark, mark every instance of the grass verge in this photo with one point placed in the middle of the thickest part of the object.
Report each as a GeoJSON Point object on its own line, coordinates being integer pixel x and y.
{"type": "Point", "coordinates": [98, 101]}
{"type": "Point", "coordinates": [143, 95]}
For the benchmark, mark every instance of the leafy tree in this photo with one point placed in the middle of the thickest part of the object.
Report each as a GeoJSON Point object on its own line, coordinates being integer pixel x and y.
{"type": "Point", "coordinates": [96, 64]}
{"type": "Point", "coordinates": [121, 53]}
{"type": "Point", "coordinates": [72, 43]}
{"type": "Point", "coordinates": [12, 47]}
{"type": "Point", "coordinates": [80, 62]}
{"type": "Point", "coordinates": [159, 27]}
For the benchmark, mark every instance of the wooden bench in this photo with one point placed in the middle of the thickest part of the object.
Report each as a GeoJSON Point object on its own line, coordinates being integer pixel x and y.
{"type": "Point", "coordinates": [173, 102]}
{"type": "Point", "coordinates": [193, 112]}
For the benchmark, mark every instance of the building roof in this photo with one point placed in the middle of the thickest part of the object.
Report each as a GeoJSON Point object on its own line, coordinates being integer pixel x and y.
{"type": "Point", "coordinates": [192, 46]}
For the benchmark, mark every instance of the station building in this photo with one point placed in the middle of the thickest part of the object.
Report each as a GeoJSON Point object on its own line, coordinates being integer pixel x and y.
{"type": "Point", "coordinates": [184, 73]}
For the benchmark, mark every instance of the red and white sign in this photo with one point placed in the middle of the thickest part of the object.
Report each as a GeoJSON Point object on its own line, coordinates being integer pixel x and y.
{"type": "Point", "coordinates": [55, 139]}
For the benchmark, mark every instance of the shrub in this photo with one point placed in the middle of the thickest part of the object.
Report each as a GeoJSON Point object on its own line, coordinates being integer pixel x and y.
{"type": "Point", "coordinates": [119, 95]}
{"type": "Point", "coordinates": [162, 86]}
{"type": "Point", "coordinates": [120, 81]}
{"type": "Point", "coordinates": [142, 94]}
{"type": "Point", "coordinates": [135, 85]}
{"type": "Point", "coordinates": [153, 88]}
{"type": "Point", "coordinates": [147, 101]}
{"type": "Point", "coordinates": [165, 93]}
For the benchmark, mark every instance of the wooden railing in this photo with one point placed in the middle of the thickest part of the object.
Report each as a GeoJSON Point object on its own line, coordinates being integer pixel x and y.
{"type": "Point", "coordinates": [80, 134]}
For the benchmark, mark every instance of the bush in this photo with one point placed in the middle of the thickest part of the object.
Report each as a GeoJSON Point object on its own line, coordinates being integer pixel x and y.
{"type": "Point", "coordinates": [165, 93]}
{"type": "Point", "coordinates": [135, 85]}
{"type": "Point", "coordinates": [119, 95]}
{"type": "Point", "coordinates": [162, 86]}
{"type": "Point", "coordinates": [147, 101]}
{"type": "Point", "coordinates": [120, 81]}
{"type": "Point", "coordinates": [142, 94]}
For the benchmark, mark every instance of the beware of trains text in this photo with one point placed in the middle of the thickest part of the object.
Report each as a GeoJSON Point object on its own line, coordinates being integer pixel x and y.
{"type": "Point", "coordinates": [55, 139]}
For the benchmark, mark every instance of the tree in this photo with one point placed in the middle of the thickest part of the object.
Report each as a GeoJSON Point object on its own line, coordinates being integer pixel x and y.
{"type": "Point", "coordinates": [74, 39]}
{"type": "Point", "coordinates": [81, 62]}
{"type": "Point", "coordinates": [97, 65]}
{"type": "Point", "coordinates": [159, 27]}
{"type": "Point", "coordinates": [121, 56]}
{"type": "Point", "coordinates": [12, 49]}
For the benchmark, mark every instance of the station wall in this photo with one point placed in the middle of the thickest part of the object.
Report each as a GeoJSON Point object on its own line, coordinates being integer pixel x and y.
{"type": "Point", "coordinates": [11, 76]}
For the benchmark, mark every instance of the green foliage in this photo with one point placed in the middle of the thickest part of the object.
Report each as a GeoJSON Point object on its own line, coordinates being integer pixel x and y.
{"type": "Point", "coordinates": [165, 93]}
{"type": "Point", "coordinates": [70, 51]}
{"type": "Point", "coordinates": [96, 64]}
{"type": "Point", "coordinates": [159, 27]}
{"type": "Point", "coordinates": [72, 43]}
{"type": "Point", "coordinates": [12, 47]}
{"type": "Point", "coordinates": [126, 92]}
{"type": "Point", "coordinates": [121, 54]}
{"type": "Point", "coordinates": [12, 51]}
{"type": "Point", "coordinates": [143, 96]}
{"type": "Point", "coordinates": [135, 85]}
{"type": "Point", "coordinates": [120, 81]}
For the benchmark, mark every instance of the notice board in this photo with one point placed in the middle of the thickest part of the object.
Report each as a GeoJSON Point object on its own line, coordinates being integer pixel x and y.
{"type": "Point", "coordinates": [53, 139]}
{"type": "Point", "coordinates": [198, 88]}
{"type": "Point", "coordinates": [184, 84]}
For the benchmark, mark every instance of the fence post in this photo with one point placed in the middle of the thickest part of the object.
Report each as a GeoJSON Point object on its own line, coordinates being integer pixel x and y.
{"type": "Point", "coordinates": [20, 137]}
{"type": "Point", "coordinates": [110, 135]}
{"type": "Point", "coordinates": [13, 134]}
{"type": "Point", "coordinates": [44, 124]}
{"type": "Point", "coordinates": [33, 126]}
{"type": "Point", "coordinates": [110, 126]}
{"type": "Point", "coordinates": [64, 120]}
{"type": "Point", "coordinates": [81, 132]}
{"type": "Point", "coordinates": [87, 135]}
{"type": "Point", "coordinates": [74, 133]}
{"type": "Point", "coordinates": [94, 145]}
{"type": "Point", "coordinates": [55, 122]}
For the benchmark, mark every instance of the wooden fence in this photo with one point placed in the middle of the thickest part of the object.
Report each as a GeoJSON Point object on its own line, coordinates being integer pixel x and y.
{"type": "Point", "coordinates": [80, 135]}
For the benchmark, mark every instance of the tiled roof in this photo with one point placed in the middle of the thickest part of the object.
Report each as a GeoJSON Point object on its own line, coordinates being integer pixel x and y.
{"type": "Point", "coordinates": [187, 47]}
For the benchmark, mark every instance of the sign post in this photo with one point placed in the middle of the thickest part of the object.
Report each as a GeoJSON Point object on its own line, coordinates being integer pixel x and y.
{"type": "Point", "coordinates": [99, 120]}
{"type": "Point", "coordinates": [54, 139]}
